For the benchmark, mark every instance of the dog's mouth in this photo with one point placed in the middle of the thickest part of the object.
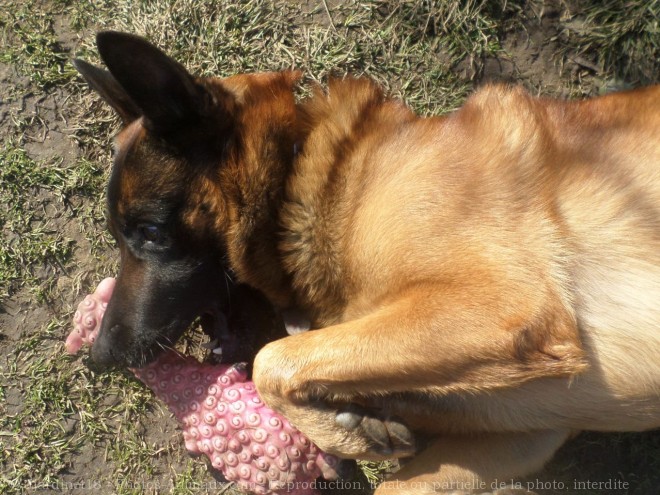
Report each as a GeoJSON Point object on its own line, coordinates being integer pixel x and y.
{"type": "Point", "coordinates": [222, 342]}
{"type": "Point", "coordinates": [237, 331]}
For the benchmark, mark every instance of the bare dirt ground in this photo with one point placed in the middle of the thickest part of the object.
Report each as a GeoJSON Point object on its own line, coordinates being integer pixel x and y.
{"type": "Point", "coordinates": [64, 428]}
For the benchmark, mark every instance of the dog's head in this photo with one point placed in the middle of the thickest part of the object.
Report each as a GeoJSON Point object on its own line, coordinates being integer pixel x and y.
{"type": "Point", "coordinates": [172, 201]}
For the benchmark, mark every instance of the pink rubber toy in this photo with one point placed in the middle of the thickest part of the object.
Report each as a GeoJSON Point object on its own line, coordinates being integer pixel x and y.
{"type": "Point", "coordinates": [221, 415]}
{"type": "Point", "coordinates": [88, 316]}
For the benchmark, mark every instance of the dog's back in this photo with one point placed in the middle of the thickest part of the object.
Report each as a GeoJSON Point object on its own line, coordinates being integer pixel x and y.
{"type": "Point", "coordinates": [565, 195]}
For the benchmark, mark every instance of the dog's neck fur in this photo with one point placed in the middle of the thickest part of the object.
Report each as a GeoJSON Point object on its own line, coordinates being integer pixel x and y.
{"type": "Point", "coordinates": [283, 242]}
{"type": "Point", "coordinates": [253, 177]}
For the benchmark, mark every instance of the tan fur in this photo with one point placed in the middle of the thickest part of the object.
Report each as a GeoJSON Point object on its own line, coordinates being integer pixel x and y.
{"type": "Point", "coordinates": [496, 270]}
{"type": "Point", "coordinates": [491, 277]}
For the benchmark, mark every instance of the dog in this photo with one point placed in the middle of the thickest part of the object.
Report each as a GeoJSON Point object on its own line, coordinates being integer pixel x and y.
{"type": "Point", "coordinates": [478, 286]}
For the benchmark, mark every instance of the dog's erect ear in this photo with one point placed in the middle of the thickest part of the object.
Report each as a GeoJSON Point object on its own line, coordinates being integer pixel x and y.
{"type": "Point", "coordinates": [167, 95]}
{"type": "Point", "coordinates": [107, 86]}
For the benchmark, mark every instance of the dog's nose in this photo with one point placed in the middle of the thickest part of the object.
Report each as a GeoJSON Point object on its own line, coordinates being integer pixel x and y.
{"type": "Point", "coordinates": [104, 352]}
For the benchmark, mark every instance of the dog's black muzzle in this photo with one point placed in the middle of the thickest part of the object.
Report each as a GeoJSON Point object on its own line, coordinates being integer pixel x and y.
{"type": "Point", "coordinates": [152, 306]}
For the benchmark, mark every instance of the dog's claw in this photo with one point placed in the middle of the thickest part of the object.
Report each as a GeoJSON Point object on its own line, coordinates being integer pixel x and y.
{"type": "Point", "coordinates": [400, 434]}
{"type": "Point", "coordinates": [387, 435]}
{"type": "Point", "coordinates": [377, 432]}
{"type": "Point", "coordinates": [211, 345]}
{"type": "Point", "coordinates": [349, 419]}
{"type": "Point", "coordinates": [238, 371]}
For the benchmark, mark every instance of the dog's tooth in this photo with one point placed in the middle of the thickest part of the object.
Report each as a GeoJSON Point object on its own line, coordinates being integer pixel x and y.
{"type": "Point", "coordinates": [211, 345]}
{"type": "Point", "coordinates": [218, 351]}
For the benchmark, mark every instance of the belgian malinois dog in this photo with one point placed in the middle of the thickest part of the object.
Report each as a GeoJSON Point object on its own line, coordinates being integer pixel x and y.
{"type": "Point", "coordinates": [479, 286]}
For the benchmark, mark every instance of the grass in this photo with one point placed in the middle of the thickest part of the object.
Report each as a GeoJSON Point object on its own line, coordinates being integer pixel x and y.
{"type": "Point", "coordinates": [29, 189]}
{"type": "Point", "coordinates": [30, 44]}
{"type": "Point", "coordinates": [61, 423]}
{"type": "Point", "coordinates": [624, 35]}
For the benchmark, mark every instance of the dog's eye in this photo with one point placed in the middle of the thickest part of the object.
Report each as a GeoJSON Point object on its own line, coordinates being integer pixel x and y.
{"type": "Point", "coordinates": [150, 233]}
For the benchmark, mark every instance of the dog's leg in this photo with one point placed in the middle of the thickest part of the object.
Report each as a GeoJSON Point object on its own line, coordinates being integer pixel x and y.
{"type": "Point", "coordinates": [428, 341]}
{"type": "Point", "coordinates": [477, 464]}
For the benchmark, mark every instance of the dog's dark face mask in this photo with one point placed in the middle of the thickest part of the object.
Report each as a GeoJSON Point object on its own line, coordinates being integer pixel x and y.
{"type": "Point", "coordinates": [163, 213]}
{"type": "Point", "coordinates": [165, 202]}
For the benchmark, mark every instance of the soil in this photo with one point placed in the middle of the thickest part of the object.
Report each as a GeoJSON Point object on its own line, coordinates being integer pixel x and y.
{"type": "Point", "coordinates": [529, 57]}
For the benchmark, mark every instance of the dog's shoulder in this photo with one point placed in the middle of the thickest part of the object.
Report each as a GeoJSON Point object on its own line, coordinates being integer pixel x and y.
{"type": "Point", "coordinates": [341, 127]}
{"type": "Point", "coordinates": [348, 109]}
{"type": "Point", "coordinates": [507, 118]}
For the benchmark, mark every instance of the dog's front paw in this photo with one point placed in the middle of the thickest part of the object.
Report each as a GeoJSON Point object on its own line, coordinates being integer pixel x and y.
{"type": "Point", "coordinates": [388, 435]}
{"type": "Point", "coordinates": [287, 386]}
